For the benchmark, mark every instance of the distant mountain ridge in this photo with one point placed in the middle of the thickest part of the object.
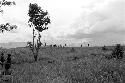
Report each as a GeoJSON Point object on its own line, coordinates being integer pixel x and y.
{"type": "Point", "coordinates": [13, 44]}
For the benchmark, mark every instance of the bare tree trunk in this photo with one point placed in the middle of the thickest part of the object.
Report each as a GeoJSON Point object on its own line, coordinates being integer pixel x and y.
{"type": "Point", "coordinates": [35, 56]}
{"type": "Point", "coordinates": [33, 38]}
{"type": "Point", "coordinates": [36, 47]}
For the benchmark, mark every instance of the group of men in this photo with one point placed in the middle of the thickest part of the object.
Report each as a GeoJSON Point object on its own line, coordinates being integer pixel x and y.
{"type": "Point", "coordinates": [5, 63]}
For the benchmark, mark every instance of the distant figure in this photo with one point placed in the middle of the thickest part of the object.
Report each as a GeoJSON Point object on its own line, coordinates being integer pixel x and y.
{"type": "Point", "coordinates": [45, 44]}
{"type": "Point", "coordinates": [50, 45]}
{"type": "Point", "coordinates": [2, 59]}
{"type": "Point", "coordinates": [7, 64]}
{"type": "Point", "coordinates": [81, 45]}
{"type": "Point", "coordinates": [88, 45]}
{"type": "Point", "coordinates": [9, 58]}
{"type": "Point", "coordinates": [65, 45]}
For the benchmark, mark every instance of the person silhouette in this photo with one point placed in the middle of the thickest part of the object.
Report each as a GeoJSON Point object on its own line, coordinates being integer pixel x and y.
{"type": "Point", "coordinates": [8, 64]}
{"type": "Point", "coordinates": [9, 58]}
{"type": "Point", "coordinates": [88, 45]}
{"type": "Point", "coordinates": [2, 59]}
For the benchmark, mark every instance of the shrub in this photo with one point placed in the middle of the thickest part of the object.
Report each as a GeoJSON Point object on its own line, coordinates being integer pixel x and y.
{"type": "Point", "coordinates": [104, 48]}
{"type": "Point", "coordinates": [118, 52]}
{"type": "Point", "coordinates": [72, 50]}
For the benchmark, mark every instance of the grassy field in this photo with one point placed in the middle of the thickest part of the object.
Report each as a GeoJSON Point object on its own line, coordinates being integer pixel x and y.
{"type": "Point", "coordinates": [63, 65]}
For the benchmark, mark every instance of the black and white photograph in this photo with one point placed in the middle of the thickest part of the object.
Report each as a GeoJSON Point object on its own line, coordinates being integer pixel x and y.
{"type": "Point", "coordinates": [62, 41]}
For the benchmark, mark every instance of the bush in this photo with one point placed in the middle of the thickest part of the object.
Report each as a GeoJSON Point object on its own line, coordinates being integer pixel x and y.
{"type": "Point", "coordinates": [104, 48]}
{"type": "Point", "coordinates": [72, 50]}
{"type": "Point", "coordinates": [118, 52]}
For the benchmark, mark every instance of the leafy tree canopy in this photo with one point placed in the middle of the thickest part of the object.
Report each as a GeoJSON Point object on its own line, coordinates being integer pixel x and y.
{"type": "Point", "coordinates": [7, 26]}
{"type": "Point", "coordinates": [38, 18]}
{"type": "Point", "coordinates": [6, 3]}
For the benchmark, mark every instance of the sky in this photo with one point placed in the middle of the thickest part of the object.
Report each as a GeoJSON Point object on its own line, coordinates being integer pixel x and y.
{"type": "Point", "coordinates": [74, 22]}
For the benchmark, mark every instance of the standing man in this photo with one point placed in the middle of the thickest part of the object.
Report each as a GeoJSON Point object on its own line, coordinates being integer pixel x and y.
{"type": "Point", "coordinates": [8, 64]}
{"type": "Point", "coordinates": [2, 59]}
{"type": "Point", "coordinates": [9, 58]}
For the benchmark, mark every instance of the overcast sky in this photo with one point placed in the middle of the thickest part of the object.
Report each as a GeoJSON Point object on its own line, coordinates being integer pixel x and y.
{"type": "Point", "coordinates": [74, 22]}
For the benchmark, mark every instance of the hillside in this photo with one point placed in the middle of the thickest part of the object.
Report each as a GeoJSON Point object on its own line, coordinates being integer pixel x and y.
{"type": "Point", "coordinates": [63, 65]}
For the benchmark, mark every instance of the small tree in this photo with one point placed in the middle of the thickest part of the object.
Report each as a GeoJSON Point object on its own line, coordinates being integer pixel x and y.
{"type": "Point", "coordinates": [38, 20]}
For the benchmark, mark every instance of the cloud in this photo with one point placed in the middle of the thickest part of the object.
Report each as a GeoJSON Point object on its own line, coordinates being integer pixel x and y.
{"type": "Point", "coordinates": [99, 19]}
{"type": "Point", "coordinates": [104, 23]}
